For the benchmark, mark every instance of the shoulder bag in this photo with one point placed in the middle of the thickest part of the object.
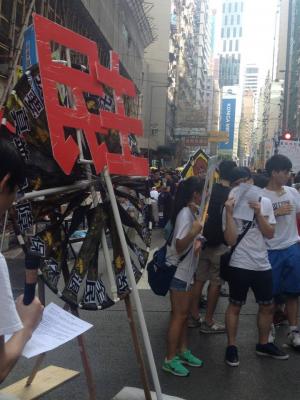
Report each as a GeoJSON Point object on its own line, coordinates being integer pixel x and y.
{"type": "Point", "coordinates": [226, 257]}
{"type": "Point", "coordinates": [161, 274]}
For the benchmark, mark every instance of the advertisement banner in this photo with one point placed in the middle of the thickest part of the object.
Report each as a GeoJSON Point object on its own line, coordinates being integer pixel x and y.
{"type": "Point", "coordinates": [227, 122]}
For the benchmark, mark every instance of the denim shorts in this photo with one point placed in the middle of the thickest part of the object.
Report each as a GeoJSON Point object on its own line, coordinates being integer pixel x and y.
{"type": "Point", "coordinates": [179, 285]}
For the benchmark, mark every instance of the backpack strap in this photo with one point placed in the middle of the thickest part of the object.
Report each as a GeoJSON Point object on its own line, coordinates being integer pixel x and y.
{"type": "Point", "coordinates": [240, 237]}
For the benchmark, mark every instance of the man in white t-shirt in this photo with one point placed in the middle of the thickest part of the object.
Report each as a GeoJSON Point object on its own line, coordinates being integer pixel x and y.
{"type": "Point", "coordinates": [284, 247]}
{"type": "Point", "coordinates": [17, 319]}
{"type": "Point", "coordinates": [249, 268]}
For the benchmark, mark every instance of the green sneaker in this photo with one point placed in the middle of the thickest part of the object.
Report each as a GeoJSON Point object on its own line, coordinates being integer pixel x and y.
{"type": "Point", "coordinates": [187, 358]}
{"type": "Point", "coordinates": [175, 367]}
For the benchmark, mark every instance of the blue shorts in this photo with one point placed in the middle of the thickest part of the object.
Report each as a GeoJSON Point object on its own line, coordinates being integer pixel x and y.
{"type": "Point", "coordinates": [286, 270]}
{"type": "Point", "coordinates": [180, 286]}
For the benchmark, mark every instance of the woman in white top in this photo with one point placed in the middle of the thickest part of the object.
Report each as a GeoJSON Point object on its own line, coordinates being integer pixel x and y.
{"type": "Point", "coordinates": [183, 252]}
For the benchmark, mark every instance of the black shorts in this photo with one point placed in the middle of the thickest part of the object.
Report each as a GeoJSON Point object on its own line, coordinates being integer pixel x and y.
{"type": "Point", "coordinates": [240, 280]}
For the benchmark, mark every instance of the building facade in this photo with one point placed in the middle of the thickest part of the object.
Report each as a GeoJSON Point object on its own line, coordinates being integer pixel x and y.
{"type": "Point", "coordinates": [246, 131]}
{"type": "Point", "coordinates": [291, 117]}
{"type": "Point", "coordinates": [188, 71]}
{"type": "Point", "coordinates": [231, 37]}
{"type": "Point", "coordinates": [155, 80]}
{"type": "Point", "coordinates": [251, 79]}
{"type": "Point", "coordinates": [122, 25]}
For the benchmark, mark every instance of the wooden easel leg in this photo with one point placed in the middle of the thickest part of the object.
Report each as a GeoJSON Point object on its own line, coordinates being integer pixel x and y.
{"type": "Point", "coordinates": [85, 362]}
{"type": "Point", "coordinates": [137, 348]}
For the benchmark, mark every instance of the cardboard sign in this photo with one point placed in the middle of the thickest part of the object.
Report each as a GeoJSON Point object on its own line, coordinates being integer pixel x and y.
{"type": "Point", "coordinates": [65, 149]}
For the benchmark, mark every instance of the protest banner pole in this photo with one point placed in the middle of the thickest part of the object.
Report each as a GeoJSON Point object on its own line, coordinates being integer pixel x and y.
{"type": "Point", "coordinates": [137, 348]}
{"type": "Point", "coordinates": [40, 357]}
{"type": "Point", "coordinates": [3, 230]}
{"type": "Point", "coordinates": [135, 294]}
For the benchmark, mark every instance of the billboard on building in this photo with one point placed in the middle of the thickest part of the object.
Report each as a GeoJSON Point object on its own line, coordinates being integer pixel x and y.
{"type": "Point", "coordinates": [227, 122]}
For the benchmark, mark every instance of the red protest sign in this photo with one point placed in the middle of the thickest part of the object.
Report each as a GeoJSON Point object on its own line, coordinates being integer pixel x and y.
{"type": "Point", "coordinates": [65, 148]}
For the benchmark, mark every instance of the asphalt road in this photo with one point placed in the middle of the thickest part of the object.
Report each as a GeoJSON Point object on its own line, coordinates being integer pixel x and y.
{"type": "Point", "coordinates": [114, 366]}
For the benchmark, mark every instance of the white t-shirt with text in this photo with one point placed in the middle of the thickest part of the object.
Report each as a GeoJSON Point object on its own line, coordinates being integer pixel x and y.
{"type": "Point", "coordinates": [251, 253]}
{"type": "Point", "coordinates": [9, 319]}
{"type": "Point", "coordinates": [187, 267]}
{"type": "Point", "coordinates": [286, 232]}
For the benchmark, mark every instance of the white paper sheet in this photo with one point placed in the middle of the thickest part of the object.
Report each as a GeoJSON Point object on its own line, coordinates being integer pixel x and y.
{"type": "Point", "coordinates": [56, 328]}
{"type": "Point", "coordinates": [244, 194]}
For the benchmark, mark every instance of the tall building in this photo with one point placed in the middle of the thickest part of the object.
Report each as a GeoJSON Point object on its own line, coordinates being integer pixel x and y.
{"type": "Point", "coordinates": [291, 117]}
{"type": "Point", "coordinates": [125, 28]}
{"type": "Point", "coordinates": [231, 36]}
{"type": "Point", "coordinates": [251, 78]}
{"type": "Point", "coordinates": [282, 39]}
{"type": "Point", "coordinates": [246, 127]}
{"type": "Point", "coordinates": [156, 81]}
{"type": "Point", "coordinates": [269, 120]}
{"type": "Point", "coordinates": [188, 66]}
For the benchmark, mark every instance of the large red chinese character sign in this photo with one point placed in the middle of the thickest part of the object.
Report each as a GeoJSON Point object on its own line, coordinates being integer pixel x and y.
{"type": "Point", "coordinates": [77, 116]}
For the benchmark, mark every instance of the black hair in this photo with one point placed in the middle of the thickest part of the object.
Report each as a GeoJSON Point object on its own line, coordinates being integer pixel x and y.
{"type": "Point", "coordinates": [11, 163]}
{"type": "Point", "coordinates": [238, 173]}
{"type": "Point", "coordinates": [184, 194]}
{"type": "Point", "coordinates": [225, 168]}
{"type": "Point", "coordinates": [278, 163]}
{"type": "Point", "coordinates": [297, 178]}
{"type": "Point", "coordinates": [260, 180]}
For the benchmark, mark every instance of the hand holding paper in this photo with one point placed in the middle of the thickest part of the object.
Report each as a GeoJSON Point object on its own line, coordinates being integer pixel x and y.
{"type": "Point", "coordinates": [245, 194]}
{"type": "Point", "coordinates": [56, 328]}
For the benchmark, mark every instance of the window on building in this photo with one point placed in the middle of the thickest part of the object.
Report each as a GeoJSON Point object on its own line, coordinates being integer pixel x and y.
{"type": "Point", "coordinates": [228, 32]}
{"type": "Point", "coordinates": [229, 7]}
{"type": "Point", "coordinates": [236, 45]}
{"type": "Point", "coordinates": [232, 20]}
{"type": "Point", "coordinates": [238, 19]}
{"type": "Point", "coordinates": [235, 7]}
{"type": "Point", "coordinates": [241, 31]}
{"type": "Point", "coordinates": [226, 20]}
{"type": "Point", "coordinates": [224, 45]}
{"type": "Point", "coordinates": [242, 6]}
{"type": "Point", "coordinates": [234, 32]}
{"type": "Point", "coordinates": [230, 45]}
{"type": "Point", "coordinates": [222, 32]}
{"type": "Point", "coordinates": [224, 7]}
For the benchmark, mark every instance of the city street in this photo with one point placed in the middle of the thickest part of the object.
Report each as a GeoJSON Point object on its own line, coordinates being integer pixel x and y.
{"type": "Point", "coordinates": [114, 365]}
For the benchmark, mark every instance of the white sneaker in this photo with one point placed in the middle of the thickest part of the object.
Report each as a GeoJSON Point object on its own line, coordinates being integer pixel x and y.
{"type": "Point", "coordinates": [294, 339]}
{"type": "Point", "coordinates": [272, 334]}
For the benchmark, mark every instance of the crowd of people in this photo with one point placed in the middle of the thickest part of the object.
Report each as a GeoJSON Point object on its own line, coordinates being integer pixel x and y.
{"type": "Point", "coordinates": [264, 257]}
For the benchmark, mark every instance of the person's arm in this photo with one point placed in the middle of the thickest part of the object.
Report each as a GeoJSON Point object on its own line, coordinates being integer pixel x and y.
{"type": "Point", "coordinates": [265, 227]}
{"type": "Point", "coordinates": [182, 244]}
{"type": "Point", "coordinates": [230, 232]}
{"type": "Point", "coordinates": [12, 349]}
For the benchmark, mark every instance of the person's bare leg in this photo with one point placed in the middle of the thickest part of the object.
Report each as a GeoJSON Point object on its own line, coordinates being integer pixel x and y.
{"type": "Point", "coordinates": [232, 321]}
{"type": "Point", "coordinates": [213, 294]}
{"type": "Point", "coordinates": [292, 307]}
{"type": "Point", "coordinates": [264, 321]}
{"type": "Point", "coordinates": [196, 295]}
{"type": "Point", "coordinates": [177, 337]}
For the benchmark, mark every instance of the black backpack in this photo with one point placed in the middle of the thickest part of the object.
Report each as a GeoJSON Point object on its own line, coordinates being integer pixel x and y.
{"type": "Point", "coordinates": [213, 231]}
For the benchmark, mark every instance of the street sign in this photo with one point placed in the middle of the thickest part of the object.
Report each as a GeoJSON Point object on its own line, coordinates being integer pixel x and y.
{"type": "Point", "coordinates": [196, 141]}
{"type": "Point", "coordinates": [217, 133]}
{"type": "Point", "coordinates": [218, 136]}
{"type": "Point", "coordinates": [219, 139]}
